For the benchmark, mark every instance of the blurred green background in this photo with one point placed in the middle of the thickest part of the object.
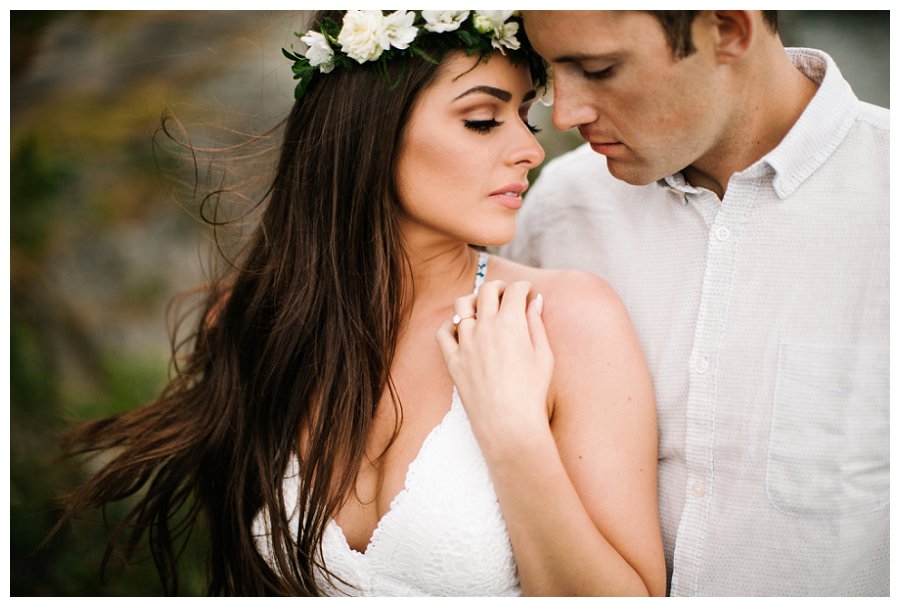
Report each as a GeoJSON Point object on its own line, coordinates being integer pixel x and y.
{"type": "Point", "coordinates": [102, 235]}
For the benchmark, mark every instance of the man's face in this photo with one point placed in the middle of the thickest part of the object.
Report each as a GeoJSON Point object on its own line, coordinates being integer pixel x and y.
{"type": "Point", "coordinates": [615, 79]}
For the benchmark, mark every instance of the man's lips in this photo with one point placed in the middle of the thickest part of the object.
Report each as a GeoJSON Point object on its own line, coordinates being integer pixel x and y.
{"type": "Point", "coordinates": [605, 147]}
{"type": "Point", "coordinates": [602, 144]}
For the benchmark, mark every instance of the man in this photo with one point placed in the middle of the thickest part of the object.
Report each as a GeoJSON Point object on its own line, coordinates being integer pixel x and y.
{"type": "Point", "coordinates": [741, 213]}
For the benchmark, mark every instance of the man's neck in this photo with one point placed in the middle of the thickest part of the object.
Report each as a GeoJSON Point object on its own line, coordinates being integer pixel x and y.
{"type": "Point", "coordinates": [770, 107]}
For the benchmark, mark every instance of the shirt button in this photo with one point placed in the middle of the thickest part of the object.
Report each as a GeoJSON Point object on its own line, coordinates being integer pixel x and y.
{"type": "Point", "coordinates": [699, 489]}
{"type": "Point", "coordinates": [701, 364]}
{"type": "Point", "coordinates": [722, 232]}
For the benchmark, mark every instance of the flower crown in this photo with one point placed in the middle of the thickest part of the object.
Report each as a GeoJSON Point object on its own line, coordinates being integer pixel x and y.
{"type": "Point", "coordinates": [375, 37]}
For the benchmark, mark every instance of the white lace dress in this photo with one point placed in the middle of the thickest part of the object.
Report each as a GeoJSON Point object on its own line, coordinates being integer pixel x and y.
{"type": "Point", "coordinates": [443, 533]}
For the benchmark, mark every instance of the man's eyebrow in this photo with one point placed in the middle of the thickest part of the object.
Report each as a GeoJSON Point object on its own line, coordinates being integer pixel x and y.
{"type": "Point", "coordinates": [573, 57]}
{"type": "Point", "coordinates": [500, 94]}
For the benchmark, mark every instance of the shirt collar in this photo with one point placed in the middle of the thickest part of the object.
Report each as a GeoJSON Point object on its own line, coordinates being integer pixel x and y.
{"type": "Point", "coordinates": [678, 185]}
{"type": "Point", "coordinates": [813, 138]}
{"type": "Point", "coordinates": [821, 127]}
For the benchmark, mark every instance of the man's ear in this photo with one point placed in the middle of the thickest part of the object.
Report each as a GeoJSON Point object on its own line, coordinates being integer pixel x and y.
{"type": "Point", "coordinates": [734, 33]}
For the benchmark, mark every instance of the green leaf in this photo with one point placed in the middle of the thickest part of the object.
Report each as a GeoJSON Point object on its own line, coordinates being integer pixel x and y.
{"type": "Point", "coordinates": [423, 55]}
{"type": "Point", "coordinates": [396, 83]}
{"type": "Point", "coordinates": [468, 39]}
{"type": "Point", "coordinates": [300, 89]}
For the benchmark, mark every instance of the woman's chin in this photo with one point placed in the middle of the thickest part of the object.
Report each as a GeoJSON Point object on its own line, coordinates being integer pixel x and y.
{"type": "Point", "coordinates": [494, 240]}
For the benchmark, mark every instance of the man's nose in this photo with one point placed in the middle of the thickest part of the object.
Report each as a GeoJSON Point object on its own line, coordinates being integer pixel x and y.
{"type": "Point", "coordinates": [571, 106]}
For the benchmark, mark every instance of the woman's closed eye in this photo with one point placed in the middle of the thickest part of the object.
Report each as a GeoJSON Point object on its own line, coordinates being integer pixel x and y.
{"type": "Point", "coordinates": [524, 117]}
{"type": "Point", "coordinates": [486, 126]}
{"type": "Point", "coordinates": [482, 126]}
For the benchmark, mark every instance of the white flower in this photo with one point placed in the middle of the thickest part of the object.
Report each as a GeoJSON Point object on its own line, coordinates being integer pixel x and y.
{"type": "Point", "coordinates": [399, 30]}
{"type": "Point", "coordinates": [546, 98]}
{"type": "Point", "coordinates": [486, 21]}
{"type": "Point", "coordinates": [506, 37]}
{"type": "Point", "coordinates": [319, 53]}
{"type": "Point", "coordinates": [503, 33]}
{"type": "Point", "coordinates": [482, 24]}
{"type": "Point", "coordinates": [444, 21]}
{"type": "Point", "coordinates": [362, 35]}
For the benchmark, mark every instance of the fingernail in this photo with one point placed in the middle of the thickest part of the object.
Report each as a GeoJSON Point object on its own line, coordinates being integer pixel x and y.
{"type": "Point", "coordinates": [539, 303]}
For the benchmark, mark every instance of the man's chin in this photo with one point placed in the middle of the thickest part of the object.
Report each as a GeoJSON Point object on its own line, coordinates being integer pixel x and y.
{"type": "Point", "coordinates": [630, 173]}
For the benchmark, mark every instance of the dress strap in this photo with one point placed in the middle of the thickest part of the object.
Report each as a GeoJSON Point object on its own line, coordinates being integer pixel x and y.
{"type": "Point", "coordinates": [481, 271]}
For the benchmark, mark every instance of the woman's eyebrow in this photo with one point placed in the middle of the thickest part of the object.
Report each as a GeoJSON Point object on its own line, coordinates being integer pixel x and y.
{"type": "Point", "coordinates": [500, 94]}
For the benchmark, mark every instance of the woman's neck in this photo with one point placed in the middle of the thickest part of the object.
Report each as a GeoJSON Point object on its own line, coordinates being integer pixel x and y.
{"type": "Point", "coordinates": [438, 274]}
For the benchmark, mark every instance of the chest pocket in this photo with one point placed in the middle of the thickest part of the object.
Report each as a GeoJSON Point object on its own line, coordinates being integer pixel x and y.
{"type": "Point", "coordinates": [829, 447]}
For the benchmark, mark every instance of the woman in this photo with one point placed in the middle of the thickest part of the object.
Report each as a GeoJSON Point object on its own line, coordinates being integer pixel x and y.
{"type": "Point", "coordinates": [327, 441]}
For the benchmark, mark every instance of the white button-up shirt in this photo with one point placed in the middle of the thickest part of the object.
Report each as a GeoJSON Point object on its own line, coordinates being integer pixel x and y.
{"type": "Point", "coordinates": [764, 318]}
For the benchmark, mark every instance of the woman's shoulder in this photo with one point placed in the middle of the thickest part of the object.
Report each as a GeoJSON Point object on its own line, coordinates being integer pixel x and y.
{"type": "Point", "coordinates": [582, 313]}
{"type": "Point", "coordinates": [589, 330]}
{"type": "Point", "coordinates": [566, 290]}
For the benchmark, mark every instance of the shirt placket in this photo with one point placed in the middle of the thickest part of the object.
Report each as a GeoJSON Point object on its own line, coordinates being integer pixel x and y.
{"type": "Point", "coordinates": [724, 221]}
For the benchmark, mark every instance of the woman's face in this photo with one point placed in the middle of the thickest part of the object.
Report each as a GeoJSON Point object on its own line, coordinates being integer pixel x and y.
{"type": "Point", "coordinates": [468, 147]}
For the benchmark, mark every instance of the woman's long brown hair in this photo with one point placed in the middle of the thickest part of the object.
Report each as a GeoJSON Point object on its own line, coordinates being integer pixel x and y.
{"type": "Point", "coordinates": [297, 336]}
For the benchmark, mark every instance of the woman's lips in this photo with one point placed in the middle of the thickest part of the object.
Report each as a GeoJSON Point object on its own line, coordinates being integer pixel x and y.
{"type": "Point", "coordinates": [508, 199]}
{"type": "Point", "coordinates": [509, 195]}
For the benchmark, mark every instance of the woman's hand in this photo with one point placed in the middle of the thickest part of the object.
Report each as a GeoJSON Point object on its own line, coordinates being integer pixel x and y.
{"type": "Point", "coordinates": [500, 361]}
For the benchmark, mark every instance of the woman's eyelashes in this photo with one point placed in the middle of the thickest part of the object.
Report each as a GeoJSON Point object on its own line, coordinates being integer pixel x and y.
{"type": "Point", "coordinates": [482, 126]}
{"type": "Point", "coordinates": [486, 126]}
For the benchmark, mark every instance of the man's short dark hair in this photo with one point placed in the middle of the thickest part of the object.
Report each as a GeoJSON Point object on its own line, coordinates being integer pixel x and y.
{"type": "Point", "coordinates": [677, 26]}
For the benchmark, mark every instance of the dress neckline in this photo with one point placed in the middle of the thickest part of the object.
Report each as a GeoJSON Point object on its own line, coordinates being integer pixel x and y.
{"type": "Point", "coordinates": [384, 521]}
{"type": "Point", "coordinates": [455, 405]}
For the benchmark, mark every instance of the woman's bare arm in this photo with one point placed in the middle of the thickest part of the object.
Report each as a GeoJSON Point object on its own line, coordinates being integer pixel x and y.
{"type": "Point", "coordinates": [577, 490]}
